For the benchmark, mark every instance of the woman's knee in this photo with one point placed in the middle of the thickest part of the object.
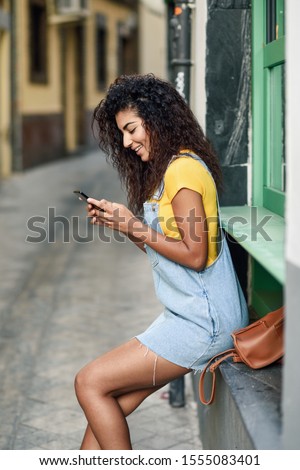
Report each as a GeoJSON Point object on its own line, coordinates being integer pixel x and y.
{"type": "Point", "coordinates": [79, 384]}
{"type": "Point", "coordinates": [85, 383]}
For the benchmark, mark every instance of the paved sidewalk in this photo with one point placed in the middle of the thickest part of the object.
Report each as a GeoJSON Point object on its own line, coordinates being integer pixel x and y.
{"type": "Point", "coordinates": [64, 302]}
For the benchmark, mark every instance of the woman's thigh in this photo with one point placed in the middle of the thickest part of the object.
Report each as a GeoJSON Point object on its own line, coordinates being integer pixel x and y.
{"type": "Point", "coordinates": [128, 367]}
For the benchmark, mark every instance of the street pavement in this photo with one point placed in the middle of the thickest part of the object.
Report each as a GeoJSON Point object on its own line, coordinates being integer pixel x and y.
{"type": "Point", "coordinates": [68, 293]}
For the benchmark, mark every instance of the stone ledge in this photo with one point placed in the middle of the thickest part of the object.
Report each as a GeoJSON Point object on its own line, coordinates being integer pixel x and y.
{"type": "Point", "coordinates": [246, 413]}
{"type": "Point", "coordinates": [257, 394]}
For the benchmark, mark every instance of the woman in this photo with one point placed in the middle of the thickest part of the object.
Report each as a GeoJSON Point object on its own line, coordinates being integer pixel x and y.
{"type": "Point", "coordinates": [171, 173]}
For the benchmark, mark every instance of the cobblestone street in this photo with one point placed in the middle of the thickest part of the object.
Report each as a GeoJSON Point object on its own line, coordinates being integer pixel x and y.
{"type": "Point", "coordinates": [66, 297]}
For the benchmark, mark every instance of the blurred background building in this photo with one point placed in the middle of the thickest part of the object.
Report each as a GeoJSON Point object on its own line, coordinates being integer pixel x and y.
{"type": "Point", "coordinates": [57, 59]}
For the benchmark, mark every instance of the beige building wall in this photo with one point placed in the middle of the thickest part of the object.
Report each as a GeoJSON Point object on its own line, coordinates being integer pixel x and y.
{"type": "Point", "coordinates": [115, 13]}
{"type": "Point", "coordinates": [5, 147]}
{"type": "Point", "coordinates": [38, 98]}
{"type": "Point", "coordinates": [52, 118]}
{"type": "Point", "coordinates": [46, 98]}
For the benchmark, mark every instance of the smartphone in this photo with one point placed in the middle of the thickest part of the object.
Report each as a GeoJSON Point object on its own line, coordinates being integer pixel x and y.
{"type": "Point", "coordinates": [83, 197]}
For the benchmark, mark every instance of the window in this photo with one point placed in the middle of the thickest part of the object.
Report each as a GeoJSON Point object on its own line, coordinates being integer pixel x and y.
{"type": "Point", "coordinates": [269, 104]}
{"type": "Point", "coordinates": [268, 119]}
{"type": "Point", "coordinates": [101, 47]}
{"type": "Point", "coordinates": [274, 75]}
{"type": "Point", "coordinates": [38, 41]}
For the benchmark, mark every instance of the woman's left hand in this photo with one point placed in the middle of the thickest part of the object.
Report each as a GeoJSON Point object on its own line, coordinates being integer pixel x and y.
{"type": "Point", "coordinates": [115, 216]}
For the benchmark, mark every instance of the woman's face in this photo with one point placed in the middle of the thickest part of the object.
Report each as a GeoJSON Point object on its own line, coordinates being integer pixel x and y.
{"type": "Point", "coordinates": [135, 136]}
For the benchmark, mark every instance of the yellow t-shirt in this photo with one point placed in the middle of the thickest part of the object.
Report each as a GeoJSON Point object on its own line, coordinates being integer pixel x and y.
{"type": "Point", "coordinates": [187, 172]}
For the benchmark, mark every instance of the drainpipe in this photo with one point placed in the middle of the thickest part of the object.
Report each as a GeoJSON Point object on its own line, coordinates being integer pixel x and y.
{"type": "Point", "coordinates": [180, 38]}
{"type": "Point", "coordinates": [16, 122]}
{"type": "Point", "coordinates": [179, 66]}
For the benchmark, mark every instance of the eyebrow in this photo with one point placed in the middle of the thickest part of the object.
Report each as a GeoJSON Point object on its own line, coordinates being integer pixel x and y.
{"type": "Point", "coordinates": [128, 124]}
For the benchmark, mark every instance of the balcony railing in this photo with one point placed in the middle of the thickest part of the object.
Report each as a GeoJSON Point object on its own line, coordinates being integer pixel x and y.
{"type": "Point", "coordinates": [66, 11]}
{"type": "Point", "coordinates": [72, 7]}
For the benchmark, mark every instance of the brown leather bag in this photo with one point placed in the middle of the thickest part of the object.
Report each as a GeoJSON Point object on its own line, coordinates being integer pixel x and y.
{"type": "Point", "coordinates": [258, 345]}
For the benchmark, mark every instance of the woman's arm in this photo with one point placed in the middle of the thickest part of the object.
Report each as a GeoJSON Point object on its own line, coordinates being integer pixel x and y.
{"type": "Point", "coordinates": [137, 242]}
{"type": "Point", "coordinates": [97, 219]}
{"type": "Point", "coordinates": [190, 251]}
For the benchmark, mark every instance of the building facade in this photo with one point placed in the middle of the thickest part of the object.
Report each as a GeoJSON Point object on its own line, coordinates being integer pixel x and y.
{"type": "Point", "coordinates": [57, 58]}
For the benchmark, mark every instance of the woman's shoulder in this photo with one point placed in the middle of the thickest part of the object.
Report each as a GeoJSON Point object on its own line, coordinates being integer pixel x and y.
{"type": "Point", "coordinates": [182, 165]}
{"type": "Point", "coordinates": [188, 172]}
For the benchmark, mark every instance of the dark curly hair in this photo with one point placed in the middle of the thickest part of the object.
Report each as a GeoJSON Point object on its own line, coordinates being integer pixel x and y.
{"type": "Point", "coordinates": [171, 127]}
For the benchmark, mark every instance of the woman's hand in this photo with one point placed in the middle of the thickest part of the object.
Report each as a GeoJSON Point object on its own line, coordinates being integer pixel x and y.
{"type": "Point", "coordinates": [113, 215]}
{"type": "Point", "coordinates": [191, 250]}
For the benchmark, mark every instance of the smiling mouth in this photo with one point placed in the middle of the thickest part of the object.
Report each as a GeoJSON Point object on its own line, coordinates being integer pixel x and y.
{"type": "Point", "coordinates": [138, 148]}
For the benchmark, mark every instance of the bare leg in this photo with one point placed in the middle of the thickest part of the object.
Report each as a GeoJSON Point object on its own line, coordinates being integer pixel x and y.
{"type": "Point", "coordinates": [101, 385]}
{"type": "Point", "coordinates": [89, 441]}
{"type": "Point", "coordinates": [128, 402]}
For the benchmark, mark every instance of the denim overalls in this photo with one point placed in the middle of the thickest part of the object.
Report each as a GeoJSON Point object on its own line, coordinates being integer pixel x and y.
{"type": "Point", "coordinates": [201, 308]}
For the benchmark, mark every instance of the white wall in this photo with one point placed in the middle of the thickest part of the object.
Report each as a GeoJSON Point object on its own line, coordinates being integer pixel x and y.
{"type": "Point", "coordinates": [153, 37]}
{"type": "Point", "coordinates": [291, 377]}
{"type": "Point", "coordinates": [198, 92]}
{"type": "Point", "coordinates": [292, 132]}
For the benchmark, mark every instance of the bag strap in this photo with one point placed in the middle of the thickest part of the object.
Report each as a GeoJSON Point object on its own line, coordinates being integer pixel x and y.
{"type": "Point", "coordinates": [213, 363]}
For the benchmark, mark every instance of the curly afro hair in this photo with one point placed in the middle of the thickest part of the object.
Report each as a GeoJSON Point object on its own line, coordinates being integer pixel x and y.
{"type": "Point", "coordinates": [171, 127]}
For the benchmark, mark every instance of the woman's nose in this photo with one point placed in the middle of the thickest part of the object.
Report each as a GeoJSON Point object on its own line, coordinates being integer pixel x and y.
{"type": "Point", "coordinates": [127, 141]}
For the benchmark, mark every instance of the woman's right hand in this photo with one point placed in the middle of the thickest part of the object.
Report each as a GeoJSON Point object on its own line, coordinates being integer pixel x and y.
{"type": "Point", "coordinates": [111, 214]}
{"type": "Point", "coordinates": [94, 214]}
